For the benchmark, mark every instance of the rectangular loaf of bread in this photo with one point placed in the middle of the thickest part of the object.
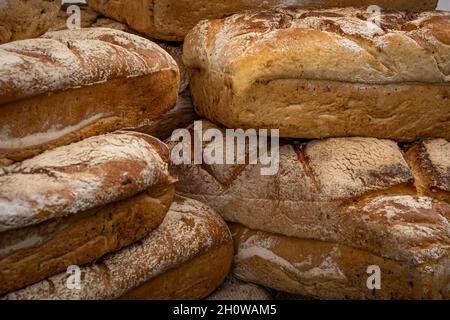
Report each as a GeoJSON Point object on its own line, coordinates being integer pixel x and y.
{"type": "Point", "coordinates": [172, 19]}
{"type": "Point", "coordinates": [187, 257]}
{"type": "Point", "coordinates": [324, 73]}
{"type": "Point", "coordinates": [73, 84]}
{"type": "Point", "coordinates": [358, 192]}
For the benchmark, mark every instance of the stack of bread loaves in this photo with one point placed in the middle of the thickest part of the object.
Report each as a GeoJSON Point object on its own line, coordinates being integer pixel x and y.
{"type": "Point", "coordinates": [353, 202]}
{"type": "Point", "coordinates": [76, 196]}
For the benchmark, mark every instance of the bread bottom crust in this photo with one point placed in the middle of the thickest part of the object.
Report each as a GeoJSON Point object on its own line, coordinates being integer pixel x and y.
{"type": "Point", "coordinates": [193, 280]}
{"type": "Point", "coordinates": [318, 109]}
{"type": "Point", "coordinates": [327, 270]}
{"type": "Point", "coordinates": [79, 239]}
{"type": "Point", "coordinates": [72, 115]}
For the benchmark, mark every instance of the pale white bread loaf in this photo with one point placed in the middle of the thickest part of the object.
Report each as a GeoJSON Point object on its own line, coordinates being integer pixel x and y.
{"type": "Point", "coordinates": [347, 190]}
{"type": "Point", "coordinates": [430, 162]}
{"type": "Point", "coordinates": [172, 19]}
{"type": "Point", "coordinates": [189, 230]}
{"type": "Point", "coordinates": [80, 176]}
{"type": "Point", "coordinates": [72, 84]}
{"type": "Point", "coordinates": [23, 19]}
{"type": "Point", "coordinates": [327, 270]}
{"type": "Point", "coordinates": [324, 73]}
{"type": "Point", "coordinates": [234, 289]}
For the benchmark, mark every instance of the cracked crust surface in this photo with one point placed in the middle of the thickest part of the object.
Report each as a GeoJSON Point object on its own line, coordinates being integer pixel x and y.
{"type": "Point", "coordinates": [80, 176]}
{"type": "Point", "coordinates": [80, 83]}
{"type": "Point", "coordinates": [358, 192]}
{"type": "Point", "coordinates": [324, 73]}
{"type": "Point", "coordinates": [31, 254]}
{"type": "Point", "coordinates": [327, 270]}
{"type": "Point", "coordinates": [23, 19]}
{"type": "Point", "coordinates": [190, 236]}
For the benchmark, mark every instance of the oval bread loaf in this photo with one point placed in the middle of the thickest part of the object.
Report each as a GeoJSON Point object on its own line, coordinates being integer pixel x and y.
{"type": "Point", "coordinates": [173, 19]}
{"type": "Point", "coordinates": [324, 73]}
{"type": "Point", "coordinates": [73, 84]}
{"type": "Point", "coordinates": [187, 257]}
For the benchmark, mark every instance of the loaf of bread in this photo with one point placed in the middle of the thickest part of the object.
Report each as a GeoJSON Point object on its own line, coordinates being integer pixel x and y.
{"type": "Point", "coordinates": [69, 85]}
{"type": "Point", "coordinates": [172, 19]}
{"type": "Point", "coordinates": [324, 73]}
{"type": "Point", "coordinates": [23, 19]}
{"type": "Point", "coordinates": [328, 270]}
{"type": "Point", "coordinates": [355, 191]}
{"type": "Point", "coordinates": [66, 206]}
{"type": "Point", "coordinates": [81, 176]}
{"type": "Point", "coordinates": [187, 257]}
{"type": "Point", "coordinates": [234, 289]}
{"type": "Point", "coordinates": [430, 162]}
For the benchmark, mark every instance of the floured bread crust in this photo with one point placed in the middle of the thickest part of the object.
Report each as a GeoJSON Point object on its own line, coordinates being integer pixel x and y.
{"type": "Point", "coordinates": [346, 190]}
{"type": "Point", "coordinates": [31, 254]}
{"type": "Point", "coordinates": [328, 270]}
{"type": "Point", "coordinates": [23, 19]}
{"type": "Point", "coordinates": [234, 289]}
{"type": "Point", "coordinates": [80, 83]}
{"type": "Point", "coordinates": [430, 162]}
{"type": "Point", "coordinates": [324, 73]}
{"type": "Point", "coordinates": [81, 176]}
{"type": "Point", "coordinates": [190, 230]}
{"type": "Point", "coordinates": [172, 19]}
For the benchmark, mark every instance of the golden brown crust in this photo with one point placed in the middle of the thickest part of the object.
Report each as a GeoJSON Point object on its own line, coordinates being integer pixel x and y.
{"type": "Point", "coordinates": [189, 230]}
{"type": "Point", "coordinates": [327, 270]}
{"type": "Point", "coordinates": [80, 83]}
{"type": "Point", "coordinates": [193, 280]}
{"type": "Point", "coordinates": [354, 191]}
{"type": "Point", "coordinates": [23, 19]}
{"type": "Point", "coordinates": [172, 19]}
{"type": "Point", "coordinates": [31, 254]}
{"type": "Point", "coordinates": [324, 73]}
{"type": "Point", "coordinates": [84, 175]}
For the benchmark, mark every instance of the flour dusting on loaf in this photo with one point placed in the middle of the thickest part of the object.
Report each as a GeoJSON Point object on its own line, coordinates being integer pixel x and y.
{"type": "Point", "coordinates": [80, 176]}
{"type": "Point", "coordinates": [189, 229]}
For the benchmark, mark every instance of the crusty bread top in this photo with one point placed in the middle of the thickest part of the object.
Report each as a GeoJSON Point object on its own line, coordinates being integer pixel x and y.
{"type": "Point", "coordinates": [80, 176]}
{"type": "Point", "coordinates": [323, 170]}
{"type": "Point", "coordinates": [23, 19]}
{"type": "Point", "coordinates": [67, 59]}
{"type": "Point", "coordinates": [189, 229]}
{"type": "Point", "coordinates": [328, 44]}
{"type": "Point", "coordinates": [435, 161]}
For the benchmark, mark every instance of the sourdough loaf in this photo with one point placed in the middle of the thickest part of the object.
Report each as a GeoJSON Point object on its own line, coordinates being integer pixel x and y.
{"type": "Point", "coordinates": [355, 191]}
{"type": "Point", "coordinates": [69, 85]}
{"type": "Point", "coordinates": [172, 19]}
{"type": "Point", "coordinates": [324, 73]}
{"type": "Point", "coordinates": [81, 176]}
{"type": "Point", "coordinates": [187, 257]}
{"type": "Point", "coordinates": [329, 270]}
{"type": "Point", "coordinates": [23, 19]}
